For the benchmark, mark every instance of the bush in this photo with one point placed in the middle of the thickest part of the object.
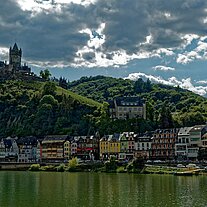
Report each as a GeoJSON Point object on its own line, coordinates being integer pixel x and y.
{"type": "Point", "coordinates": [61, 168]}
{"type": "Point", "coordinates": [47, 168]}
{"type": "Point", "coordinates": [34, 167]}
{"type": "Point", "coordinates": [72, 165]}
{"type": "Point", "coordinates": [111, 165]}
{"type": "Point", "coordinates": [136, 165]}
{"type": "Point", "coordinates": [121, 169]}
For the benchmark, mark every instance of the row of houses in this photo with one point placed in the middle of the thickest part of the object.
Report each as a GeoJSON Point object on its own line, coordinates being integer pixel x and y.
{"type": "Point", "coordinates": [188, 143]}
{"type": "Point", "coordinates": [52, 148]}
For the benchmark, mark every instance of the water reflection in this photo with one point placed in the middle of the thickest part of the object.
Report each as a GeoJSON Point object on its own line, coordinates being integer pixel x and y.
{"type": "Point", "coordinates": [97, 189]}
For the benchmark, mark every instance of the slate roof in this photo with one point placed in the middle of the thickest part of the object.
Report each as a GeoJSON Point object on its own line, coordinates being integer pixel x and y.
{"type": "Point", "coordinates": [172, 130]}
{"type": "Point", "coordinates": [28, 140]}
{"type": "Point", "coordinates": [129, 101]}
{"type": "Point", "coordinates": [184, 131]}
{"type": "Point", "coordinates": [7, 143]}
{"type": "Point", "coordinates": [55, 138]}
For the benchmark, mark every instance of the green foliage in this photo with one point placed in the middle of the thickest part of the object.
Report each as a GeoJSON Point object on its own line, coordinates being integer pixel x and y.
{"type": "Point", "coordinates": [38, 108]}
{"type": "Point", "coordinates": [141, 86]}
{"type": "Point", "coordinates": [111, 165]}
{"type": "Point", "coordinates": [100, 88]}
{"type": "Point", "coordinates": [49, 88]}
{"type": "Point", "coordinates": [41, 108]}
{"type": "Point", "coordinates": [61, 168]}
{"type": "Point", "coordinates": [167, 106]}
{"type": "Point", "coordinates": [48, 168]}
{"type": "Point", "coordinates": [121, 169]}
{"type": "Point", "coordinates": [72, 164]}
{"type": "Point", "coordinates": [48, 99]}
{"type": "Point", "coordinates": [136, 165]}
{"type": "Point", "coordinates": [34, 167]}
{"type": "Point", "coordinates": [165, 118]}
{"type": "Point", "coordinates": [45, 74]}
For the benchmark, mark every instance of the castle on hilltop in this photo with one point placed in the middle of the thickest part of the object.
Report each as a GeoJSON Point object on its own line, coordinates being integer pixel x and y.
{"type": "Point", "coordinates": [15, 65]}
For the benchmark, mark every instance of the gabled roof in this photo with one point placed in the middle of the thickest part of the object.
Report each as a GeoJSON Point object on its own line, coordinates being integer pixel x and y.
{"type": "Point", "coordinates": [197, 127]}
{"type": "Point", "coordinates": [184, 131]}
{"type": "Point", "coordinates": [114, 137]}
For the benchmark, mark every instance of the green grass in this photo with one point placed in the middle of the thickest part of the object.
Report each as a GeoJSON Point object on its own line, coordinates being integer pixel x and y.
{"type": "Point", "coordinates": [77, 97]}
{"type": "Point", "coordinates": [162, 170]}
{"type": "Point", "coordinates": [60, 91]}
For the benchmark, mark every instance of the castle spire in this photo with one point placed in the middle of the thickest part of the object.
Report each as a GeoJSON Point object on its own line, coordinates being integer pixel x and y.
{"type": "Point", "coordinates": [15, 47]}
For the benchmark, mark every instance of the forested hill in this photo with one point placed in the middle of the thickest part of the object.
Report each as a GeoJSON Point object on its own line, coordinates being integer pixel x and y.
{"type": "Point", "coordinates": [186, 107]}
{"type": "Point", "coordinates": [40, 108]}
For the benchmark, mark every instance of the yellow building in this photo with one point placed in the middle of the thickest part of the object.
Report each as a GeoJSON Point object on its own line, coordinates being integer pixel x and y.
{"type": "Point", "coordinates": [67, 150]}
{"type": "Point", "coordinates": [109, 145]}
{"type": "Point", "coordinates": [103, 147]}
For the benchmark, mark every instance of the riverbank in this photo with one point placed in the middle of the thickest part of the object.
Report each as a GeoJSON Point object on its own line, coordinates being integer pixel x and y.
{"type": "Point", "coordinates": [185, 171]}
{"type": "Point", "coordinates": [111, 166]}
{"type": "Point", "coordinates": [129, 168]}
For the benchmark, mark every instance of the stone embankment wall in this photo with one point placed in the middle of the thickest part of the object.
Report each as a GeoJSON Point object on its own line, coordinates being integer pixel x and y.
{"type": "Point", "coordinates": [15, 166]}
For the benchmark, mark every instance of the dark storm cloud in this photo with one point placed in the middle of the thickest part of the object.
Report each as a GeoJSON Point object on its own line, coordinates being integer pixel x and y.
{"type": "Point", "coordinates": [128, 23]}
{"type": "Point", "coordinates": [45, 36]}
{"type": "Point", "coordinates": [54, 36]}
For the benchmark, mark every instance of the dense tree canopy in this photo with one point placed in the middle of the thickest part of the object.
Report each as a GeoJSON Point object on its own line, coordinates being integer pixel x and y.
{"type": "Point", "coordinates": [167, 106]}
{"type": "Point", "coordinates": [40, 108]}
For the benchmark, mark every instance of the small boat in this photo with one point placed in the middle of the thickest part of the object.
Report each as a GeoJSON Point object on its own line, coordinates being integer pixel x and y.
{"type": "Point", "coordinates": [184, 173]}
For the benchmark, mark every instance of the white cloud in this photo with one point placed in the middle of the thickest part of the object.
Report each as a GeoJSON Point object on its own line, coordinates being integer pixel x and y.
{"type": "Point", "coordinates": [188, 38]}
{"type": "Point", "coordinates": [165, 51]}
{"type": "Point", "coordinates": [82, 2]}
{"type": "Point", "coordinates": [163, 68]}
{"type": "Point", "coordinates": [34, 5]}
{"type": "Point", "coordinates": [198, 53]}
{"type": "Point", "coordinates": [173, 81]}
{"type": "Point", "coordinates": [37, 6]}
{"type": "Point", "coordinates": [202, 82]}
{"type": "Point", "coordinates": [4, 53]}
{"type": "Point", "coordinates": [50, 30]}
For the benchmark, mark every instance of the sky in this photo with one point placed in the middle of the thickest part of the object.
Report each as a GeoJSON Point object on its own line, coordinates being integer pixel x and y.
{"type": "Point", "coordinates": [165, 41]}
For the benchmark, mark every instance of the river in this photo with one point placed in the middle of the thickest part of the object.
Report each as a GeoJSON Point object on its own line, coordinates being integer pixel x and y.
{"type": "Point", "coordinates": [50, 189]}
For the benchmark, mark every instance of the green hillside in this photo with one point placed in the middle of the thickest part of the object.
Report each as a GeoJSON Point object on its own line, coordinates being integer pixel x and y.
{"type": "Point", "coordinates": [185, 107]}
{"type": "Point", "coordinates": [39, 108]}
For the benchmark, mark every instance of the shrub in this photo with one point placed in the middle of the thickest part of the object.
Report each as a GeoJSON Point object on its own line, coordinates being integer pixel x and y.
{"type": "Point", "coordinates": [61, 168]}
{"type": "Point", "coordinates": [72, 165]}
{"type": "Point", "coordinates": [34, 167]}
{"type": "Point", "coordinates": [111, 165]}
{"type": "Point", "coordinates": [120, 170]}
{"type": "Point", "coordinates": [47, 168]}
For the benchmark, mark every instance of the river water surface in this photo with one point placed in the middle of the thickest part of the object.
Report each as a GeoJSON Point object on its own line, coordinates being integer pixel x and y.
{"type": "Point", "coordinates": [51, 189]}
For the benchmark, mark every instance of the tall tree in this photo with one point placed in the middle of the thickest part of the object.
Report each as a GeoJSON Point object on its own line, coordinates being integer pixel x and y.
{"type": "Point", "coordinates": [45, 74]}
{"type": "Point", "coordinates": [165, 117]}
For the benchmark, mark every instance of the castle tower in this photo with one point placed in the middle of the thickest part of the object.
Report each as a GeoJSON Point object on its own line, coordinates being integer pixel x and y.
{"type": "Point", "coordinates": [15, 56]}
